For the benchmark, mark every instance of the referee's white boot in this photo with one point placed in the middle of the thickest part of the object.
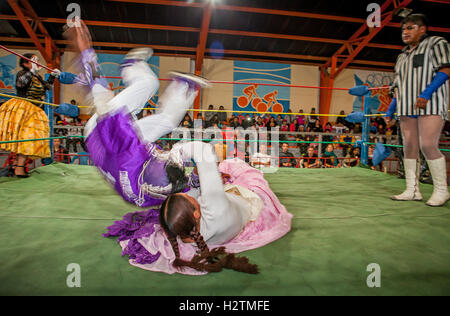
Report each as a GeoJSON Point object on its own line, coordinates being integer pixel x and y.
{"type": "Point", "coordinates": [412, 192]}
{"type": "Point", "coordinates": [439, 173]}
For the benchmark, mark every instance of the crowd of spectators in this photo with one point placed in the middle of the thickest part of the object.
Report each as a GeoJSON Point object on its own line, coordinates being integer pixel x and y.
{"type": "Point", "coordinates": [301, 148]}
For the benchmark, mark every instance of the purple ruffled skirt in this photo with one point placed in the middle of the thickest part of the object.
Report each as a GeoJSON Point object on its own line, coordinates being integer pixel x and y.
{"type": "Point", "coordinates": [142, 238]}
{"type": "Point", "coordinates": [119, 154]}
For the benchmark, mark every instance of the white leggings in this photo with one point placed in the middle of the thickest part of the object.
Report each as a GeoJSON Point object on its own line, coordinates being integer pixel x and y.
{"type": "Point", "coordinates": [142, 84]}
{"type": "Point", "coordinates": [421, 133]}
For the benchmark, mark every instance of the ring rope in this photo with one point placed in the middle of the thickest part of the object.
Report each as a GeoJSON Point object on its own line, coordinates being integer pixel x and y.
{"type": "Point", "coordinates": [223, 140]}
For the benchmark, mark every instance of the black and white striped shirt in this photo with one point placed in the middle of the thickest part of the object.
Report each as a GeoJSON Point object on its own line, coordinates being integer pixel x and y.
{"type": "Point", "coordinates": [415, 70]}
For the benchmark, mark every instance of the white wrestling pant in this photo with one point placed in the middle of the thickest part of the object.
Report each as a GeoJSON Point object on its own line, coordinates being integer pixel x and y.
{"type": "Point", "coordinates": [142, 84]}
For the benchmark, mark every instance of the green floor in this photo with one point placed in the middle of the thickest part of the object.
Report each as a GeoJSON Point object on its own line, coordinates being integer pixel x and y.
{"type": "Point", "coordinates": [343, 221]}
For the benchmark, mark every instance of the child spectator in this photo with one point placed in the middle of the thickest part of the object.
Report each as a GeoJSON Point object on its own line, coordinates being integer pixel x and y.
{"type": "Point", "coordinates": [301, 118]}
{"type": "Point", "coordinates": [310, 160]}
{"type": "Point", "coordinates": [330, 160]}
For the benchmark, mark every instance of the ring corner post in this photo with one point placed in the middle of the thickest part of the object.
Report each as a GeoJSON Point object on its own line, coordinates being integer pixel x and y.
{"type": "Point", "coordinates": [365, 132]}
{"type": "Point", "coordinates": [49, 111]}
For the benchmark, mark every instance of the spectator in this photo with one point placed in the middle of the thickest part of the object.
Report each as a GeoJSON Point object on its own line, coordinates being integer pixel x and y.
{"type": "Point", "coordinates": [284, 126]}
{"type": "Point", "coordinates": [302, 146]}
{"type": "Point", "coordinates": [357, 129]}
{"type": "Point", "coordinates": [373, 127]}
{"type": "Point", "coordinates": [215, 120]}
{"type": "Point", "coordinates": [279, 120]}
{"type": "Point", "coordinates": [261, 158]}
{"type": "Point", "coordinates": [235, 123]}
{"type": "Point", "coordinates": [247, 122]}
{"type": "Point", "coordinates": [348, 140]}
{"type": "Point", "coordinates": [312, 118]}
{"type": "Point", "coordinates": [200, 120]}
{"type": "Point", "coordinates": [222, 116]}
{"type": "Point", "coordinates": [353, 157]}
{"type": "Point", "coordinates": [260, 122]}
{"type": "Point", "coordinates": [293, 126]}
{"type": "Point", "coordinates": [187, 121]}
{"type": "Point", "coordinates": [330, 160]}
{"type": "Point", "coordinates": [310, 160]}
{"type": "Point", "coordinates": [340, 121]}
{"type": "Point", "coordinates": [209, 115]}
{"type": "Point", "coordinates": [60, 152]}
{"type": "Point", "coordinates": [289, 117]}
{"type": "Point", "coordinates": [301, 118]}
{"type": "Point", "coordinates": [301, 128]}
{"type": "Point", "coordinates": [328, 129]}
{"type": "Point", "coordinates": [317, 127]}
{"type": "Point", "coordinates": [285, 160]}
{"type": "Point", "coordinates": [370, 157]}
{"type": "Point", "coordinates": [272, 123]}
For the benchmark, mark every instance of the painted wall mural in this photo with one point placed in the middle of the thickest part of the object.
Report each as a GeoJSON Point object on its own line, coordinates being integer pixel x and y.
{"type": "Point", "coordinates": [379, 99]}
{"type": "Point", "coordinates": [257, 97]}
{"type": "Point", "coordinates": [110, 67]}
{"type": "Point", "coordinates": [8, 75]}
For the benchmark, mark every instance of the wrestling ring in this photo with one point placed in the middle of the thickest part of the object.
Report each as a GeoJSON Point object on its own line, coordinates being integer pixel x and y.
{"type": "Point", "coordinates": [343, 221]}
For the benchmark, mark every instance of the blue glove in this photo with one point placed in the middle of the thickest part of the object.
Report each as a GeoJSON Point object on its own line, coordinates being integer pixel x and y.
{"type": "Point", "coordinates": [380, 153]}
{"type": "Point", "coordinates": [359, 90]}
{"type": "Point", "coordinates": [67, 109]}
{"type": "Point", "coordinates": [355, 117]}
{"type": "Point", "coordinates": [438, 80]}
{"type": "Point", "coordinates": [66, 77]}
{"type": "Point", "coordinates": [392, 108]}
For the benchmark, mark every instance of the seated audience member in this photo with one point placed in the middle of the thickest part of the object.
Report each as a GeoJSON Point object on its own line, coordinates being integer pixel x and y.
{"type": "Point", "coordinates": [235, 123]}
{"type": "Point", "coordinates": [187, 121]}
{"type": "Point", "coordinates": [284, 126]}
{"type": "Point", "coordinates": [328, 128]}
{"type": "Point", "coordinates": [347, 144]}
{"type": "Point", "coordinates": [293, 127]}
{"type": "Point", "coordinates": [285, 160]}
{"type": "Point", "coordinates": [340, 121]}
{"type": "Point", "coordinates": [311, 159]}
{"type": "Point", "coordinates": [353, 157]}
{"type": "Point", "coordinates": [200, 119]}
{"type": "Point", "coordinates": [357, 129]}
{"type": "Point", "coordinates": [373, 127]}
{"type": "Point", "coordinates": [261, 158]}
{"type": "Point", "coordinates": [330, 159]}
{"type": "Point", "coordinates": [301, 118]}
{"type": "Point", "coordinates": [312, 118]}
{"type": "Point", "coordinates": [260, 122]}
{"type": "Point", "coordinates": [247, 121]}
{"type": "Point", "coordinates": [272, 123]}
{"type": "Point", "coordinates": [302, 146]}
{"type": "Point", "coordinates": [315, 142]}
{"type": "Point", "coordinates": [289, 117]}
{"type": "Point", "coordinates": [317, 127]}
{"type": "Point", "coordinates": [370, 157]}
{"type": "Point", "coordinates": [209, 115]}
{"type": "Point", "coordinates": [215, 120]}
{"type": "Point", "coordinates": [60, 152]}
{"type": "Point", "coordinates": [279, 120]}
{"type": "Point", "coordinates": [222, 116]}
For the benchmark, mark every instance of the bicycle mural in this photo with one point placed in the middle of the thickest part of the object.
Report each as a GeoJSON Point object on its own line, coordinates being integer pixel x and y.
{"type": "Point", "coordinates": [257, 97]}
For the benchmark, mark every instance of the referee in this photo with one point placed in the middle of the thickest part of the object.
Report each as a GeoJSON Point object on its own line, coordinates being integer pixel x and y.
{"type": "Point", "coordinates": [421, 95]}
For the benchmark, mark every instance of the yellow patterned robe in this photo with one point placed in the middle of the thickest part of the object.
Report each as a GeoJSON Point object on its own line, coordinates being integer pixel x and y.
{"type": "Point", "coordinates": [22, 120]}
